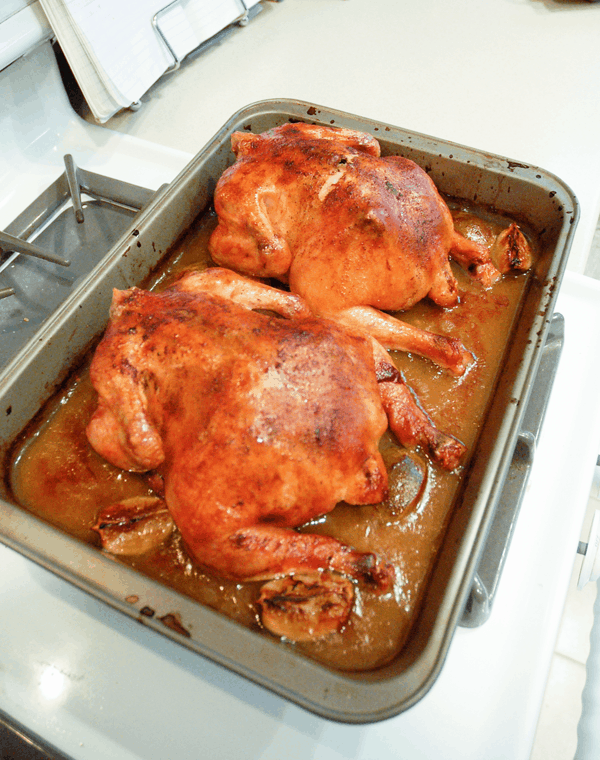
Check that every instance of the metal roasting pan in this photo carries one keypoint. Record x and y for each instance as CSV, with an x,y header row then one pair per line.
x,y
520,191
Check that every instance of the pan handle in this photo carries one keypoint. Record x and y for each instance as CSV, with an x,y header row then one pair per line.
x,y
479,603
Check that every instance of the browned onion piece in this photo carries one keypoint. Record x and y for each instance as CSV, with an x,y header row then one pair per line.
x,y
306,607
134,526
511,251
407,482
472,227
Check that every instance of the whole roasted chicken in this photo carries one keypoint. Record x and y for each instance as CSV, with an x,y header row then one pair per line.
x,y
253,423
257,424
353,233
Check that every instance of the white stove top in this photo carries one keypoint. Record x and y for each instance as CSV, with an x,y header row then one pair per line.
x,y
96,684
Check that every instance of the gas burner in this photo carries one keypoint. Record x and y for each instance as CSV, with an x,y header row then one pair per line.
x,y
74,223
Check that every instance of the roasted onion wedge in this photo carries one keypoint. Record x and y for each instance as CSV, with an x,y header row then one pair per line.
x,y
306,607
407,481
511,251
134,526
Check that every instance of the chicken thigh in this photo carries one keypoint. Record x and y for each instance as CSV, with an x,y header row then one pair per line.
x,y
351,232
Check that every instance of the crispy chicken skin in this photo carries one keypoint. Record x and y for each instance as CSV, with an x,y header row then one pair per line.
x,y
257,423
352,232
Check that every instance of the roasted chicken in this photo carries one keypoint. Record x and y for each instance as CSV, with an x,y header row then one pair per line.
x,y
257,424
353,233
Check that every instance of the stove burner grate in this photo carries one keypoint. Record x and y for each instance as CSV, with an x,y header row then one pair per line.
x,y
55,243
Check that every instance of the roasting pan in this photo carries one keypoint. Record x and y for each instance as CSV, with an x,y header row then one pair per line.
x,y
520,191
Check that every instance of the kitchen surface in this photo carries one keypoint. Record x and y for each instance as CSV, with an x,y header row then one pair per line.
x,y
515,78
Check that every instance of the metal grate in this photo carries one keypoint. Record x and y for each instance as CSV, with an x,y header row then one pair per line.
x,y
55,243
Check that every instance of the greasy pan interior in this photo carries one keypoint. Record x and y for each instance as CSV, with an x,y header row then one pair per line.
x,y
527,194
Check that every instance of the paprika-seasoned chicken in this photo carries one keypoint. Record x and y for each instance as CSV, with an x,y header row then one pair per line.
x,y
353,233
252,425
257,424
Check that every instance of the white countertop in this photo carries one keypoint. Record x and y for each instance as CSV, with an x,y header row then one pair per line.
x,y
513,77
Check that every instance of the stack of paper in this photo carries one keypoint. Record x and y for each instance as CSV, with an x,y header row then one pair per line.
x,y
117,49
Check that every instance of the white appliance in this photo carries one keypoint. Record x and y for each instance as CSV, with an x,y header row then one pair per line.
x,y
83,681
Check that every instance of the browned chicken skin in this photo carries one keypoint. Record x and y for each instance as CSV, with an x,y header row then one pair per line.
x,y
351,232
258,424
